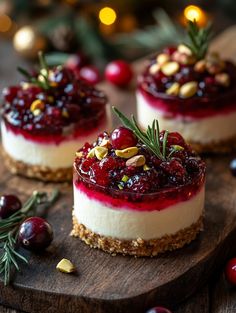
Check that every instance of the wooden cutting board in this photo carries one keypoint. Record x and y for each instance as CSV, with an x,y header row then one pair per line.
x,y
106,284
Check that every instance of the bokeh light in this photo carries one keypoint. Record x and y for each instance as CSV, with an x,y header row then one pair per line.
x,y
107,16
5,23
193,12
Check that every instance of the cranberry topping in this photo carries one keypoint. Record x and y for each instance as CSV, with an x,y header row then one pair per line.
x,y
69,105
213,94
110,173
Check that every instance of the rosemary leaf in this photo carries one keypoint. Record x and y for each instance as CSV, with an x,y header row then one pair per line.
x,y
150,138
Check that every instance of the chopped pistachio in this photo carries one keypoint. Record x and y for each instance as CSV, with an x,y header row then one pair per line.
x,y
136,161
100,152
125,178
177,147
146,167
65,266
91,153
127,153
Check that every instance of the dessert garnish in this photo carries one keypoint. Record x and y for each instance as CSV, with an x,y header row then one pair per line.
x,y
65,266
150,137
42,80
199,39
131,159
10,227
189,69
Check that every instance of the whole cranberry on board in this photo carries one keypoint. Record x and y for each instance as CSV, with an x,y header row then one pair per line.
x,y
35,234
230,271
119,73
9,204
158,309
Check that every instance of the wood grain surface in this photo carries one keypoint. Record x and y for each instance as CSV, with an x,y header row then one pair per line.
x,y
124,284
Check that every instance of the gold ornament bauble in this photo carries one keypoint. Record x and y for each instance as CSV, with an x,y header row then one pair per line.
x,y
27,42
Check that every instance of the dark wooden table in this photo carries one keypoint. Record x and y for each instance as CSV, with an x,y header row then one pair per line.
x,y
217,296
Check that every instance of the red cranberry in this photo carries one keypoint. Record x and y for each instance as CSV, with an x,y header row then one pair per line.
x,y
99,175
233,167
230,271
35,233
9,204
158,310
119,73
90,74
192,165
122,138
169,50
10,93
186,74
174,138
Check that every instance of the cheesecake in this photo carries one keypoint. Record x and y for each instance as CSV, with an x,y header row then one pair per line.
x,y
192,91
138,193
46,118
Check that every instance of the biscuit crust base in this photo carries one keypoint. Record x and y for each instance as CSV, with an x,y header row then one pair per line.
x,y
36,171
137,247
224,146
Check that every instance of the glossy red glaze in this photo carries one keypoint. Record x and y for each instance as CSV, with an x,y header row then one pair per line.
x,y
230,271
78,131
191,108
156,201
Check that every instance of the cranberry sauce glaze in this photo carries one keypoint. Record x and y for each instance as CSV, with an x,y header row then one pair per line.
x,y
151,185
212,97
68,109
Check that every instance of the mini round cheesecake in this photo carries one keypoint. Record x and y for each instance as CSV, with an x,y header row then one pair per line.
x,y
45,119
130,200
192,94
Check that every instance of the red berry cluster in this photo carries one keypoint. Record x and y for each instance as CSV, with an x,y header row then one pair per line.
x,y
179,169
208,86
68,101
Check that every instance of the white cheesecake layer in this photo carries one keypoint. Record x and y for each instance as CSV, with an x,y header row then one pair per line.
x,y
123,223
44,154
205,130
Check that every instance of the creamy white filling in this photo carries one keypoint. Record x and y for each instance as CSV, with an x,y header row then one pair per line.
x,y
44,154
129,224
205,130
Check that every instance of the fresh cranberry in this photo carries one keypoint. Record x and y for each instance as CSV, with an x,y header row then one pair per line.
x,y
173,138
233,167
35,233
90,74
9,204
169,50
122,138
158,310
119,73
144,182
10,93
209,86
230,271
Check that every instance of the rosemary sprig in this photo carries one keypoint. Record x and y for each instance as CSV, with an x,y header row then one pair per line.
x,y
9,227
43,78
150,138
199,39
